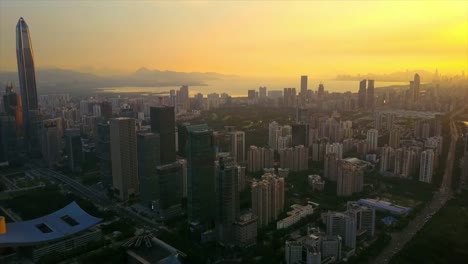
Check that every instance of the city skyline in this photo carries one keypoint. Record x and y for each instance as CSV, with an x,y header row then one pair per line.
x,y
208,36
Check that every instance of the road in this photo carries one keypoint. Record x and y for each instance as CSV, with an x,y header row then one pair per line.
x,y
399,239
96,197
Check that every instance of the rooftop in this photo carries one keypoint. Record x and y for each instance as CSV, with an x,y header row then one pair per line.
x,y
65,222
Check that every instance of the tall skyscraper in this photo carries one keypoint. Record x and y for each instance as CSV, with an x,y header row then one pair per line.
x,y
262,92
238,146
182,138
321,90
426,166
304,85
103,153
201,180
51,142
331,166
362,94
27,81
73,148
416,84
370,99
163,123
227,199
123,145
372,139
148,159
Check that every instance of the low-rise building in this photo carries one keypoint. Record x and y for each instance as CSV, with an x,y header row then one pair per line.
x,y
295,215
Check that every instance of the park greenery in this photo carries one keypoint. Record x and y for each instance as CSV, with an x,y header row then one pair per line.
x,y
442,239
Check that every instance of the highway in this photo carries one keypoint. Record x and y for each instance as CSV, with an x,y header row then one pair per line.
x,y
399,239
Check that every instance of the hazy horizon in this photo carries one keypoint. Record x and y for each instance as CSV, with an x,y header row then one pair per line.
x,y
249,39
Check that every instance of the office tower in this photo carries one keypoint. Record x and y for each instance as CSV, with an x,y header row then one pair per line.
x,y
300,134
426,166
350,178
123,146
267,198
50,142
251,94
273,131
386,159
370,99
170,186
238,146
103,153
295,159
148,159
106,110
183,98
262,92
241,175
303,85
394,139
321,91
73,149
330,167
259,158
8,146
416,84
182,138
163,123
245,230
343,225
362,94
27,81
365,217
200,172
227,199
372,139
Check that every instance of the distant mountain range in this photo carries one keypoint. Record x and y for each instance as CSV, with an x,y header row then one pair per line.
x,y
405,76
69,81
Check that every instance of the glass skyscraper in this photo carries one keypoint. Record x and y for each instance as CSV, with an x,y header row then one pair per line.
x,y
27,81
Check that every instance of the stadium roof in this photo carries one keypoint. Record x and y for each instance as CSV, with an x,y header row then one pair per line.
x,y
60,224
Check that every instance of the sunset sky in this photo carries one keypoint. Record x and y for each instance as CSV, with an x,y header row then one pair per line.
x,y
261,38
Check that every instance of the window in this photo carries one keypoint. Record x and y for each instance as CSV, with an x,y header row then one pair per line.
x,y
70,221
44,228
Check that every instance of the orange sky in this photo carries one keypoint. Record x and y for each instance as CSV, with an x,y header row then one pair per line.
x,y
261,38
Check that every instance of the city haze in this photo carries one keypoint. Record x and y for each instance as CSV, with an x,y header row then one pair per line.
x,y
268,39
